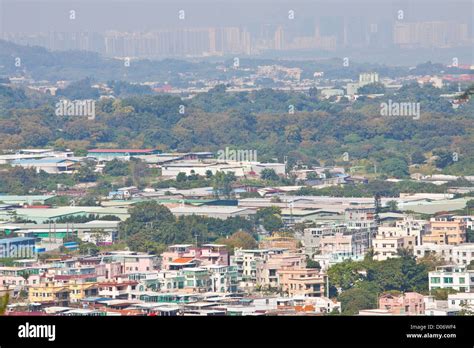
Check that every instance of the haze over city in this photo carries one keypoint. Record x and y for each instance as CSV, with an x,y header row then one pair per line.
x,y
305,167
304,29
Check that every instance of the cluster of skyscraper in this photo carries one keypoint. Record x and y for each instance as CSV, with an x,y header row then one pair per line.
x,y
214,41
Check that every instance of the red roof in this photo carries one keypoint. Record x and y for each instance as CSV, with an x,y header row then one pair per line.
x,y
122,150
183,260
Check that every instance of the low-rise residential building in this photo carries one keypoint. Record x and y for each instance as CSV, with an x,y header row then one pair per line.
x,y
18,278
268,268
246,262
197,279
443,251
454,277
360,218
302,281
461,301
132,261
389,240
386,247
462,254
170,281
409,303
224,279
49,293
328,260
354,241
117,289
312,236
445,230
186,255
80,286
410,226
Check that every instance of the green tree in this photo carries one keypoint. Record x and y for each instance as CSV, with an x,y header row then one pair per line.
x,y
395,167
356,299
88,249
116,167
392,206
346,274
181,177
222,183
431,261
269,174
442,294
145,215
372,88
270,218
444,158
239,239
418,157
85,173
310,263
466,308
4,303
79,90
470,206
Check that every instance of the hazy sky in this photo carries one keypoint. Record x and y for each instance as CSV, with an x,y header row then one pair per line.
x,y
99,15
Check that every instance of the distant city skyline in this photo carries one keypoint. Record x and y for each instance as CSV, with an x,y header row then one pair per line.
x,y
159,29
223,40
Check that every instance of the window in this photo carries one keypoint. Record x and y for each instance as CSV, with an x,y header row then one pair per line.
x,y
462,280
448,280
435,280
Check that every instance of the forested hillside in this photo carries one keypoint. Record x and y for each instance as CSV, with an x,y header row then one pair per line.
x,y
318,130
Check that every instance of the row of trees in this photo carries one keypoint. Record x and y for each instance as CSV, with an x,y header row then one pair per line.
x,y
358,284
318,131
151,227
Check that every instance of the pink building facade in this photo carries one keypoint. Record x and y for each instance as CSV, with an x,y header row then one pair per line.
x,y
206,255
409,303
